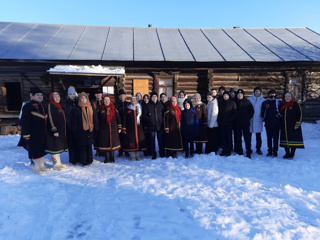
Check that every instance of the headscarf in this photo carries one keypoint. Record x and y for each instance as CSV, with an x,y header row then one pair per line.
x,y
87,113
176,109
110,109
54,102
288,104
138,109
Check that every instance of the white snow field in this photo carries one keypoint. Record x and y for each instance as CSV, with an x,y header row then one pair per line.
x,y
206,197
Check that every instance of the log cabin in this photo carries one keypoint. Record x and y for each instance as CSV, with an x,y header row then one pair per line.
x,y
56,56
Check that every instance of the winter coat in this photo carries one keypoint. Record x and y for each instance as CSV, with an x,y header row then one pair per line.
x,y
227,113
270,111
153,116
256,122
172,136
245,112
121,107
83,137
57,123
291,137
201,111
189,123
69,106
212,113
107,138
34,128
134,138
180,102
96,104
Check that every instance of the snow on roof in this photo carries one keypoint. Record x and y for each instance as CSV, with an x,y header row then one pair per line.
x,y
75,69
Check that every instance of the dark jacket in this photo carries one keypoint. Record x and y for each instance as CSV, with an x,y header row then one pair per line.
x,y
173,137
56,124
121,107
245,112
153,116
69,106
189,123
201,110
270,111
34,127
291,137
227,113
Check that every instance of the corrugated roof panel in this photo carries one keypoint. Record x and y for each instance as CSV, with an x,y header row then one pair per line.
x,y
226,46
12,34
308,35
91,44
297,43
3,25
173,45
199,45
119,45
32,43
62,43
276,45
254,48
147,45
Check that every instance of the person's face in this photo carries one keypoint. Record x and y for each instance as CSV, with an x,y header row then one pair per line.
x,y
106,101
56,97
146,99
174,102
72,96
187,105
164,98
221,91
139,96
232,94
84,99
154,98
272,95
226,96
240,95
181,95
196,99
209,98
257,93
122,97
214,93
98,96
134,101
38,97
287,97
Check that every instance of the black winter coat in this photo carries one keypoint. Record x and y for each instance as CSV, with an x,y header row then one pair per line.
x,y
227,113
172,139
69,106
291,137
153,116
34,127
107,138
56,124
201,110
245,112
270,111
189,123
121,107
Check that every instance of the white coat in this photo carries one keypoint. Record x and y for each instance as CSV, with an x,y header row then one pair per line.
x,y
212,113
180,102
256,122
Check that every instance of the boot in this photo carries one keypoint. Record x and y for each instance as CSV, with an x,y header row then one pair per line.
x,y
287,155
111,156
154,156
269,154
42,167
36,168
248,155
107,157
293,150
133,156
259,151
138,156
57,165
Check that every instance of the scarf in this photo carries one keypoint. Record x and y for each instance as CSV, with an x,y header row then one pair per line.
x,y
139,111
87,113
110,110
175,109
53,102
287,104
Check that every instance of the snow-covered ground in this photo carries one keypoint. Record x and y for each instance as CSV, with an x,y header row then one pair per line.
x,y
205,197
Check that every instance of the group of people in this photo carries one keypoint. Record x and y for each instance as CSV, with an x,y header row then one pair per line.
x,y
175,125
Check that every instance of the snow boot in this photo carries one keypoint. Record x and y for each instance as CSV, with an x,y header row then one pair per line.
x,y
107,158
138,156
41,164
287,155
133,156
57,165
259,151
291,155
111,156
36,168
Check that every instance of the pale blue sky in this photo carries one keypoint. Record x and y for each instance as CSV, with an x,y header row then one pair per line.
x,y
165,13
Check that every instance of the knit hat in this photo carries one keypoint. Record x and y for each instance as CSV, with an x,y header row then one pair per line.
x,y
240,91
257,88
233,90
153,93
121,91
163,94
226,92
271,91
222,88
34,90
72,90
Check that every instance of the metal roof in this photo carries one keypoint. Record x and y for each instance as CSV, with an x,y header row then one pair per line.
x,y
35,41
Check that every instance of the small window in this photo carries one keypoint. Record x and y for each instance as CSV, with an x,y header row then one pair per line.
x,y
166,86
108,90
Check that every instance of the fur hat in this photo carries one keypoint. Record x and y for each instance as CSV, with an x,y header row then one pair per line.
x,y
97,91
